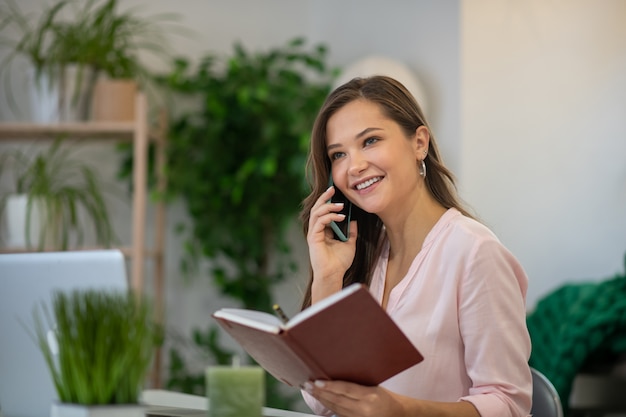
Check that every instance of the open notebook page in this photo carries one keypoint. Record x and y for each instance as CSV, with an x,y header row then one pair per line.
x,y
272,324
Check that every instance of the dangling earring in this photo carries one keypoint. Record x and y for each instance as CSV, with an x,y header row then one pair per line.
x,y
423,169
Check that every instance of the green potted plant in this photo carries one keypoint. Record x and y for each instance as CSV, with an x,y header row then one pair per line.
x,y
237,162
73,42
98,347
56,194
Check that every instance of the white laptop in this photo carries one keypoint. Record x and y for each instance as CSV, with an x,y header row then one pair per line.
x,y
27,280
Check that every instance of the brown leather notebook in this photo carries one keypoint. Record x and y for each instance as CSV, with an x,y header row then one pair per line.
x,y
347,336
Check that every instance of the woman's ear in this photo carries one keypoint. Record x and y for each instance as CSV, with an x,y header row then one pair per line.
x,y
421,142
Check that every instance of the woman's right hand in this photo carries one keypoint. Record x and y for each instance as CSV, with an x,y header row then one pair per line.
x,y
330,258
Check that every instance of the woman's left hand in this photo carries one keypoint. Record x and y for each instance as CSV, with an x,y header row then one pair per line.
x,y
346,399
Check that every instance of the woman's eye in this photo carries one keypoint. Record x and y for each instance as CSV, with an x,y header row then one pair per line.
x,y
370,141
336,155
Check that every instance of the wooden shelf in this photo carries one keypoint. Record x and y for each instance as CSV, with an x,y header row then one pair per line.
x,y
102,130
82,130
127,251
136,131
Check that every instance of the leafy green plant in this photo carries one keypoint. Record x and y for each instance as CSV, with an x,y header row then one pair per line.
x,y
64,190
237,160
92,35
105,340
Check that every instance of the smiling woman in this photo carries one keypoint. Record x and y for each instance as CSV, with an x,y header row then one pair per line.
x,y
438,272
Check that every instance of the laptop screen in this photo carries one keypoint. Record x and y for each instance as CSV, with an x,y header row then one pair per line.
x,y
26,281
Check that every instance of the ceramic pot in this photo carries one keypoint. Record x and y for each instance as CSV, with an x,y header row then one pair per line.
x,y
16,218
114,100
64,98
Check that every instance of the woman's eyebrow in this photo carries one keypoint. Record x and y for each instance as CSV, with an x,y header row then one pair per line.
x,y
358,135
367,131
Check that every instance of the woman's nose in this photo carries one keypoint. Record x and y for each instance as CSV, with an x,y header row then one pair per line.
x,y
357,165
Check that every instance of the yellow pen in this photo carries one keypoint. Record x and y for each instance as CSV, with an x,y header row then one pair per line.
x,y
280,313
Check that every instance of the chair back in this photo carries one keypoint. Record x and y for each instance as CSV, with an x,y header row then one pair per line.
x,y
546,400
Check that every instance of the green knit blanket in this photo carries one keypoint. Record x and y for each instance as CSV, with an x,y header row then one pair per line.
x,y
572,323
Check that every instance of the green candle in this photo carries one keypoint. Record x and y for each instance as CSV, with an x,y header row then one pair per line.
x,y
235,391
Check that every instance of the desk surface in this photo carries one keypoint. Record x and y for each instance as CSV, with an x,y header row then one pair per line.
x,y
176,404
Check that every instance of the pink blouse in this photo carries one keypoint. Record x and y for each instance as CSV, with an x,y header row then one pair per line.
x,y
462,303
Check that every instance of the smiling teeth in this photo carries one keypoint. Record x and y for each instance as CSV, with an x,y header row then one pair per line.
x,y
367,183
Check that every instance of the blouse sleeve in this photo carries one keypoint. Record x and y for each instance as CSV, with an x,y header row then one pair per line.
x,y
492,319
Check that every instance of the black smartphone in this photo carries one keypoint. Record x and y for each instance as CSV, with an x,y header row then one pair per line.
x,y
341,229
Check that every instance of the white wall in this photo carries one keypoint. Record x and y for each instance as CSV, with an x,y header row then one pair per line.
x,y
544,133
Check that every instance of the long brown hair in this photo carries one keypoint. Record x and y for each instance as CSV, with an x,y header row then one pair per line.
x,y
396,103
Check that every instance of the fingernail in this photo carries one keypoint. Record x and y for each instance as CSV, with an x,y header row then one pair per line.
x,y
320,384
308,387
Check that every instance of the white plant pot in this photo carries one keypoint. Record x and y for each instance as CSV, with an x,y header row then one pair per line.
x,y
111,410
16,221
62,99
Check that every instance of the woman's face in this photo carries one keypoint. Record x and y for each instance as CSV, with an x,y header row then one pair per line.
x,y
373,162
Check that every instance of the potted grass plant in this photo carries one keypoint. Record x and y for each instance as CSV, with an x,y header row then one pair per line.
x,y
54,202
98,347
70,44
